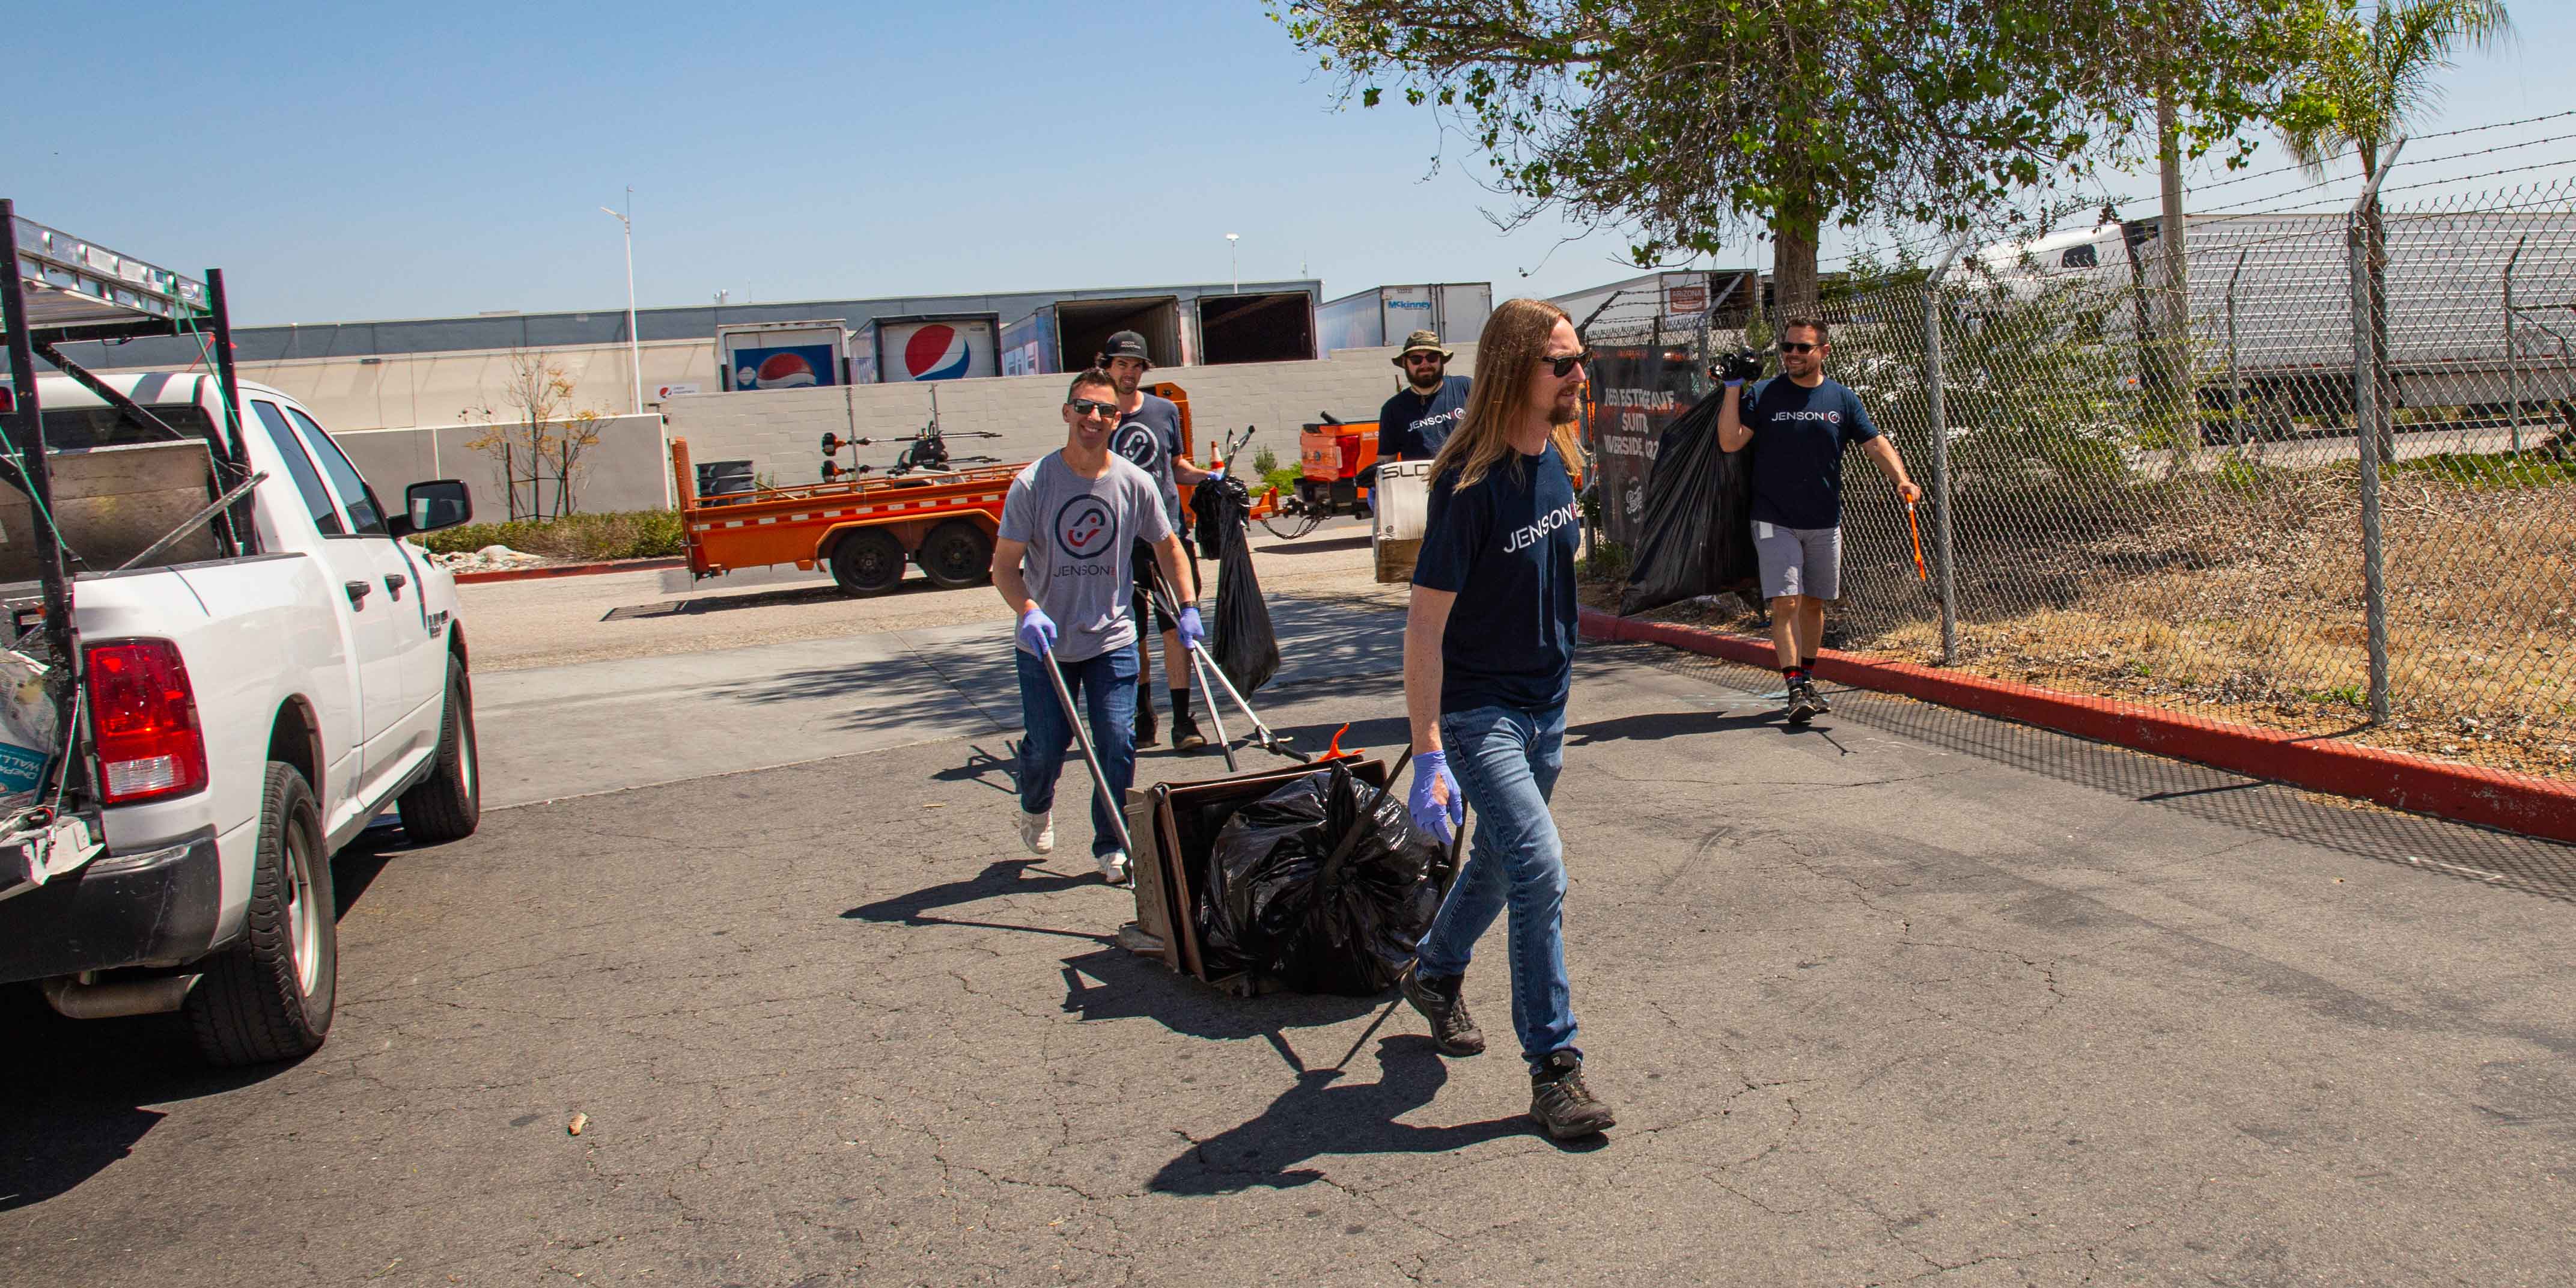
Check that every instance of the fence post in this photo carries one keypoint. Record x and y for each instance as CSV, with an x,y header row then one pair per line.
x,y
1941,491
2366,431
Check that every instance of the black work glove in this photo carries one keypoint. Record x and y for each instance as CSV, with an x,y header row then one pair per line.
x,y
1741,365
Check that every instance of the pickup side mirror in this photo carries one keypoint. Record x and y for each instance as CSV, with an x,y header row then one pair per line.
x,y
428,507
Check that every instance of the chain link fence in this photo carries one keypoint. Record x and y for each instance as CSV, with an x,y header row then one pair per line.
x,y
2228,498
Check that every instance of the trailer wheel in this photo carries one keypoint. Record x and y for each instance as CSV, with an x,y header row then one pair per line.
x,y
956,555
269,997
867,562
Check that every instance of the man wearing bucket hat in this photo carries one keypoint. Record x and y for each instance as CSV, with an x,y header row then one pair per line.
x,y
1417,420
1149,435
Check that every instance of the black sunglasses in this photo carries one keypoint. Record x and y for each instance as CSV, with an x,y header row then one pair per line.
x,y
1790,346
1086,407
1424,357
1565,366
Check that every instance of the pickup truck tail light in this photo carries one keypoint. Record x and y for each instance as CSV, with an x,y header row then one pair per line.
x,y
145,716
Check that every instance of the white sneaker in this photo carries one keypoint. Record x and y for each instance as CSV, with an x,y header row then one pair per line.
x,y
1037,831
1113,867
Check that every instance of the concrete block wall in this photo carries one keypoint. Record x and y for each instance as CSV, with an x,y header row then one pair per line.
x,y
780,431
626,470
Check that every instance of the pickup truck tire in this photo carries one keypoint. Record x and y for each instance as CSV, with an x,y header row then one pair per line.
x,y
956,555
868,561
448,805
269,997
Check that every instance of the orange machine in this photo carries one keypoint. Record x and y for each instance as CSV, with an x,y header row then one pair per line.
x,y
863,529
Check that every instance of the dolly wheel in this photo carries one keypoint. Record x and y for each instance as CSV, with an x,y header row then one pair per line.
x,y
868,562
956,555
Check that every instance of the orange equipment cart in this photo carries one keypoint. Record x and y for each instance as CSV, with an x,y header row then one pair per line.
x,y
863,529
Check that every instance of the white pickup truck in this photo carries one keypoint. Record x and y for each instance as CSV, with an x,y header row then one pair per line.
x,y
246,714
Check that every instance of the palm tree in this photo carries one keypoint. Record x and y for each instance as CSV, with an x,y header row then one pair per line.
x,y
2364,79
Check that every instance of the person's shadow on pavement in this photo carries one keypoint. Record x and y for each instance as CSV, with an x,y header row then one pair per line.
x,y
1322,1115
1006,877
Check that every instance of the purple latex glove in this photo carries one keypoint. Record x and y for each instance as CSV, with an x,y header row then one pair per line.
x,y
1037,631
1438,807
1192,632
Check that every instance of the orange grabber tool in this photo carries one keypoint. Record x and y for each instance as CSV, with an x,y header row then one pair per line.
x,y
1915,525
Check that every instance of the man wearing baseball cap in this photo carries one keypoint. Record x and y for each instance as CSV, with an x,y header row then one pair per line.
x,y
1149,435
1417,420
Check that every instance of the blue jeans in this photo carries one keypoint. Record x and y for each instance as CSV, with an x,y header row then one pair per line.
x,y
1507,760
1105,687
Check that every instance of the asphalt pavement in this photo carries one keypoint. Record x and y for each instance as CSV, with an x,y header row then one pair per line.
x,y
1907,995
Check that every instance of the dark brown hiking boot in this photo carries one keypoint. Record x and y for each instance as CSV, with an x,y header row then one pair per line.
x,y
1562,1104
1453,1031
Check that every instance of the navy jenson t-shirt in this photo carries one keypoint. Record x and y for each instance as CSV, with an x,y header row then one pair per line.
x,y
1798,440
1413,427
1505,547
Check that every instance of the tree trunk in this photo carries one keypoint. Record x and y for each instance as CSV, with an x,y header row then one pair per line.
x,y
1793,266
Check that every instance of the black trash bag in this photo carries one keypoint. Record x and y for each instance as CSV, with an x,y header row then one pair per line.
x,y
1698,524
1323,885
1242,640
1217,511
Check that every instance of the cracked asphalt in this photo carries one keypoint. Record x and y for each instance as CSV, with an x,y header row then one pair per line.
x,y
1908,996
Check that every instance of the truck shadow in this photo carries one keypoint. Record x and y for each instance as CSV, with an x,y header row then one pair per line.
x,y
80,1087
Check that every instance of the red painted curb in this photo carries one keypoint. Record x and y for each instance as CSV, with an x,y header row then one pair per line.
x,y
2513,802
567,570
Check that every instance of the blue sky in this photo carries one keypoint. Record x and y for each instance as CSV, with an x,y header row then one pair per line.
x,y
346,162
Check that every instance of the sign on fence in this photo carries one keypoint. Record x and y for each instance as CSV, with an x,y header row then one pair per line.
x,y
1638,391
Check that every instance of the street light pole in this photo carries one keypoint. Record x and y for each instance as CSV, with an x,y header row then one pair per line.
x,y
1233,264
634,347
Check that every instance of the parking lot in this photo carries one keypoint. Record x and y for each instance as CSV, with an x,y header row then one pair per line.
x,y
1908,995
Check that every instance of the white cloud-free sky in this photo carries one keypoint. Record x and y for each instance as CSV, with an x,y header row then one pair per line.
x,y
346,162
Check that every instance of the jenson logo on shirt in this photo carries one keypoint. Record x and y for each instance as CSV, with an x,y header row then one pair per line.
x,y
1083,527
1529,535
1834,417
1138,442
1454,413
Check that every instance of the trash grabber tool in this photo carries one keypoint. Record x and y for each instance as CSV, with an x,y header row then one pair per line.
x,y
1082,737
1261,735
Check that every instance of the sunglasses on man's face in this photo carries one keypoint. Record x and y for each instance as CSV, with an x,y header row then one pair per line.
x,y
1565,366
1791,346
1423,359
1086,407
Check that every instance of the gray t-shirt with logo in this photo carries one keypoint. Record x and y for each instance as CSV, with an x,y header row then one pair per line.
x,y
1151,437
1078,532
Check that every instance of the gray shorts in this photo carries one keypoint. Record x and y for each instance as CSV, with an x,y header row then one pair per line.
x,y
1799,561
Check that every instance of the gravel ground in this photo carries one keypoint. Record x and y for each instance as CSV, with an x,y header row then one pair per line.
x,y
515,625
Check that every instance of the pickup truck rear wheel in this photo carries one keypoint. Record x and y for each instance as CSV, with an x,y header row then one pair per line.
x,y
956,555
269,997
868,561
448,805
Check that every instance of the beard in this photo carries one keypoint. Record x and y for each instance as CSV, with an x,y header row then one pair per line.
x,y
1429,384
1567,409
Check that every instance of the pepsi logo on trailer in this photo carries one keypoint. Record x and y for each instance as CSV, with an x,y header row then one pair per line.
x,y
938,350
787,367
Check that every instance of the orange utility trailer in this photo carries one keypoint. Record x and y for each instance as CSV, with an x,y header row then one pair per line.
x,y
864,529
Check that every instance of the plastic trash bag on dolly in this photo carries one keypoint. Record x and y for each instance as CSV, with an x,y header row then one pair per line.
x,y
1324,886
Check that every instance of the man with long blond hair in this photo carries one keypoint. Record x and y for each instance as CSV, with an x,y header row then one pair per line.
x,y
1488,661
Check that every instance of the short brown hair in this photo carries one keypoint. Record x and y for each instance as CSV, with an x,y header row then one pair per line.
x,y
1811,324
1090,376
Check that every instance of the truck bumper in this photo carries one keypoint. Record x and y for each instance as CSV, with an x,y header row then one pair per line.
x,y
152,907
